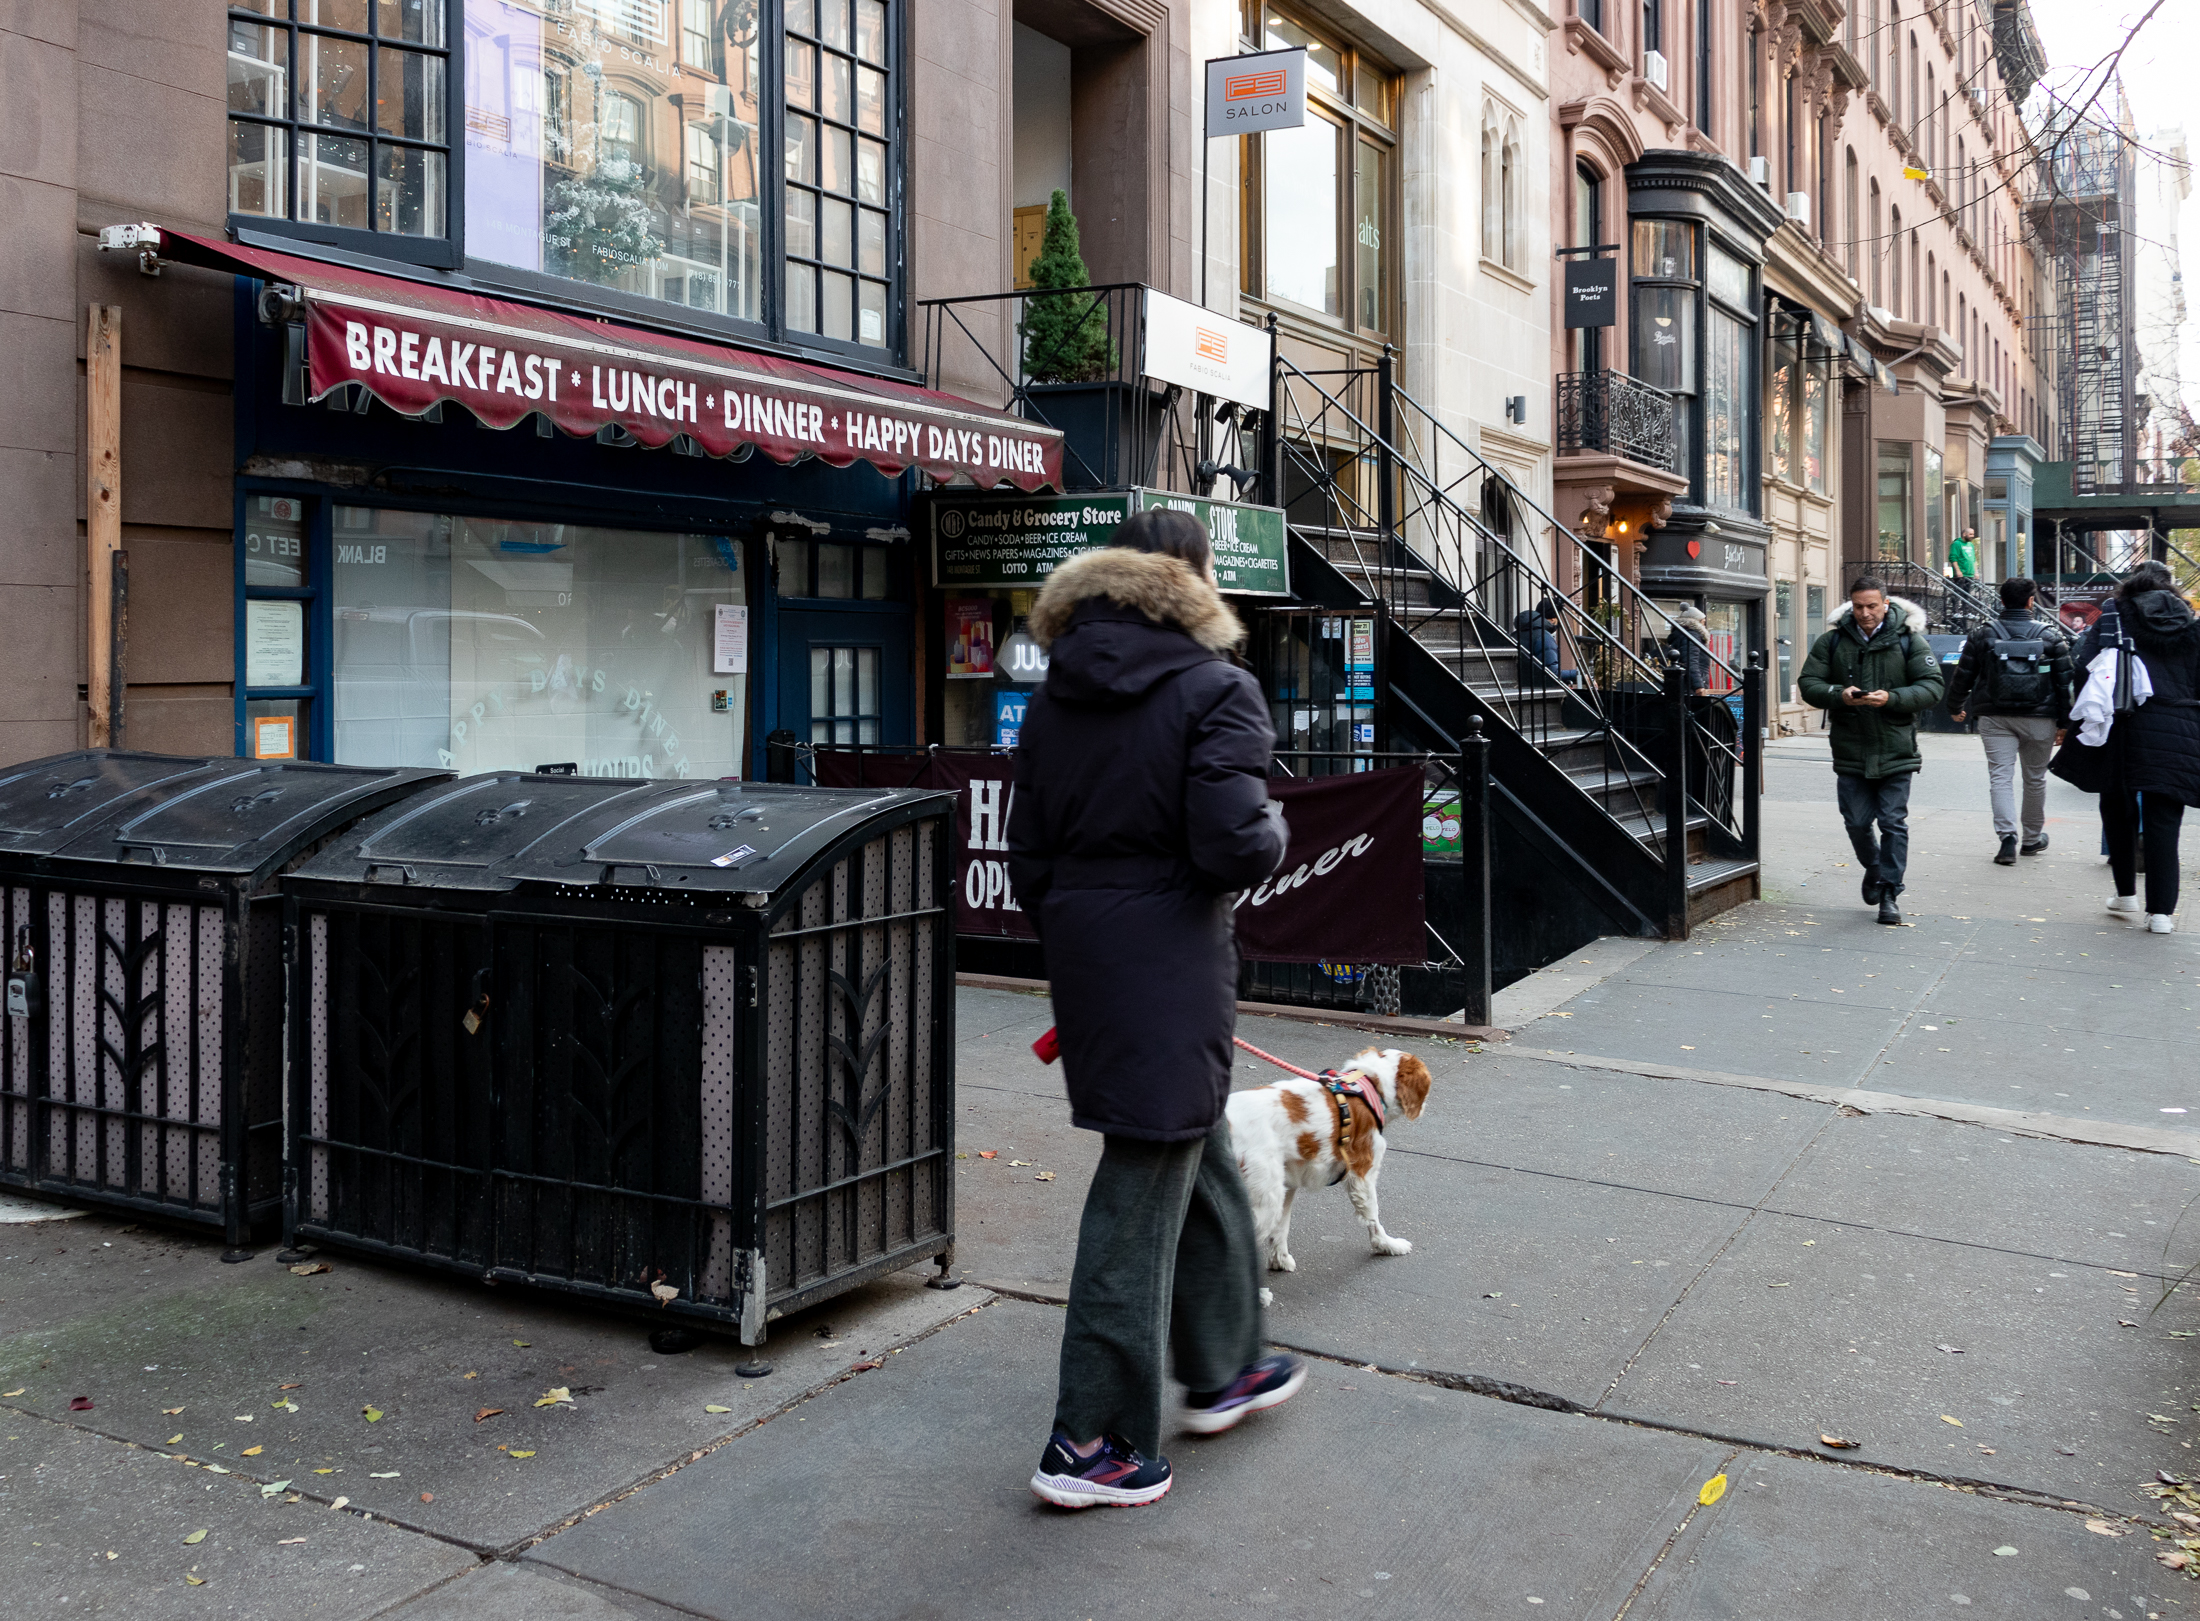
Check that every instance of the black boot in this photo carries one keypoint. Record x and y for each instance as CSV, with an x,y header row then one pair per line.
x,y
1890,910
2007,857
1873,886
2035,849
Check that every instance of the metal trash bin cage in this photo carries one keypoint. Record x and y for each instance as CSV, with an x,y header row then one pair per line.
x,y
142,1066
678,1046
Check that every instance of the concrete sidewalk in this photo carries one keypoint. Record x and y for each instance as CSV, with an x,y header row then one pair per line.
x,y
1717,1200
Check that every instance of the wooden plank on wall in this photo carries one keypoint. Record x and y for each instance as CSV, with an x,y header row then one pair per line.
x,y
102,506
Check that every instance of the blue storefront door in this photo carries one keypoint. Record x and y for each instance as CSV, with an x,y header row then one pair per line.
x,y
845,674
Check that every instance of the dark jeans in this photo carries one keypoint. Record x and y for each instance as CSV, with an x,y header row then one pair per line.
x,y
2120,808
1886,801
1166,1260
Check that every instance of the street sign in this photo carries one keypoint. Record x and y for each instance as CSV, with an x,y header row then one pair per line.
x,y
1247,94
1015,542
1592,292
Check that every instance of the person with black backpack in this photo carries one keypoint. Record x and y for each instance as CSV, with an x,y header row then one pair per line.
x,y
2016,676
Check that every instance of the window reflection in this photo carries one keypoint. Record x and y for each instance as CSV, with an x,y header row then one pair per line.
x,y
615,142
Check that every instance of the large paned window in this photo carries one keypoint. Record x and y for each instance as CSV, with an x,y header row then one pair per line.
x,y
1894,502
1666,289
339,118
481,645
1797,391
740,159
1319,202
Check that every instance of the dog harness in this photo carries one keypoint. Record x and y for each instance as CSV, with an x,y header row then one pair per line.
x,y
1344,1088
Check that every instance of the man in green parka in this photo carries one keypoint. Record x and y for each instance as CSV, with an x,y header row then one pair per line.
x,y
1873,672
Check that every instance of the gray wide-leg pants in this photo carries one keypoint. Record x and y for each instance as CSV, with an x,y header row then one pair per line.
x,y
1166,1261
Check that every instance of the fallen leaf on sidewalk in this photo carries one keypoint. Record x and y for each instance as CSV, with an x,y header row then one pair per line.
x,y
324,1471
1779,1286
275,1488
989,1153
524,1345
2175,1561
2101,1528
20,1391
519,1454
1712,1490
2005,1552
1022,1162
169,1411
427,1497
1952,1350
2125,1322
80,1404
290,1387
252,1452
2112,1272
286,1405
196,1581
388,1475
341,1502
173,1440
487,1412
865,1367
290,1542
1839,1443
714,1407
1043,1176
214,1469
373,1414
194,1539
560,1396
1957,1422
307,1269
1983,1447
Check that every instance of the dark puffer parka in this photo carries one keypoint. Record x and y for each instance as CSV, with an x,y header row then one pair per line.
x,y
1896,660
1141,809
2155,748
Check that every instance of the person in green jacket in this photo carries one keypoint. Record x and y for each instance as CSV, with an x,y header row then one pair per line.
x,y
1963,555
1873,673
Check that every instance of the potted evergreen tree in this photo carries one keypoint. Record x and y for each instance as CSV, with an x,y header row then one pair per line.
x,y
1073,367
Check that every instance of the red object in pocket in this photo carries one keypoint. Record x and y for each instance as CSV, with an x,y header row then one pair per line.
x,y
1048,1047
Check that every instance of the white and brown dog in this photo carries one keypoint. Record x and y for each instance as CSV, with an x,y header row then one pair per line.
x,y
1311,1134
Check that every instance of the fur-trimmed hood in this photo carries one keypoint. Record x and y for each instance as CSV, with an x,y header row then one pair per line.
x,y
1160,587
1902,613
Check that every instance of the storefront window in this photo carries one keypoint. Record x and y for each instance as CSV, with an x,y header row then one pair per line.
x,y
1780,410
993,667
1796,395
1301,246
481,645
1816,392
1894,502
1936,528
1783,604
1726,403
1726,629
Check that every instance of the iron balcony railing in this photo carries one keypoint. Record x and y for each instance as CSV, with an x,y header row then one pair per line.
x,y
1611,414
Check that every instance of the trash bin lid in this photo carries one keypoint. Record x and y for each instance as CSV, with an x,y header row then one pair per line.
x,y
45,804
220,814
500,831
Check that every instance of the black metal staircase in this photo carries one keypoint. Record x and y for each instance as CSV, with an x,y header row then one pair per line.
x,y
1624,800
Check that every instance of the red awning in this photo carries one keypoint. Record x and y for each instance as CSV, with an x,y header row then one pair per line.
x,y
414,345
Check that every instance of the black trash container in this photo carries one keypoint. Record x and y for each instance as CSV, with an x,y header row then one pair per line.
x,y
142,1066
679,1046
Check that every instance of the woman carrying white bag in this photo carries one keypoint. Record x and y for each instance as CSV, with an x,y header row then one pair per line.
x,y
2137,742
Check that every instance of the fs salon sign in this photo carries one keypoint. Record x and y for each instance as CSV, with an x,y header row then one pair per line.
x,y
413,361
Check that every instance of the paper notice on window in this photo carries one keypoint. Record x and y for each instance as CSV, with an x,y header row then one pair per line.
x,y
274,644
274,738
729,642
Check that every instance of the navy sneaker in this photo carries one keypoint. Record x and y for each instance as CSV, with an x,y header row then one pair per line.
x,y
1270,1382
1113,1477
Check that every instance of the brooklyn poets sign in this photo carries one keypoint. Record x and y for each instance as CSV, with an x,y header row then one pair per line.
x,y
413,361
1349,889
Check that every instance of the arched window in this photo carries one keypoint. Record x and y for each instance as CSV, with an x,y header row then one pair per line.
x,y
1942,320
1932,309
1588,233
1510,186
1911,127
1926,149
1894,263
1877,245
1493,195
1848,209
1962,318
1961,184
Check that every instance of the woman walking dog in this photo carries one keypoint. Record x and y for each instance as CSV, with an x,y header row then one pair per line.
x,y
1141,807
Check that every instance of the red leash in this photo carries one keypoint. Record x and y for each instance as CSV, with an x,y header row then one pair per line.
x,y
1305,1075
1048,1048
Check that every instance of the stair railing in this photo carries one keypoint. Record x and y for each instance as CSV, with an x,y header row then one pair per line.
x,y
1462,582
